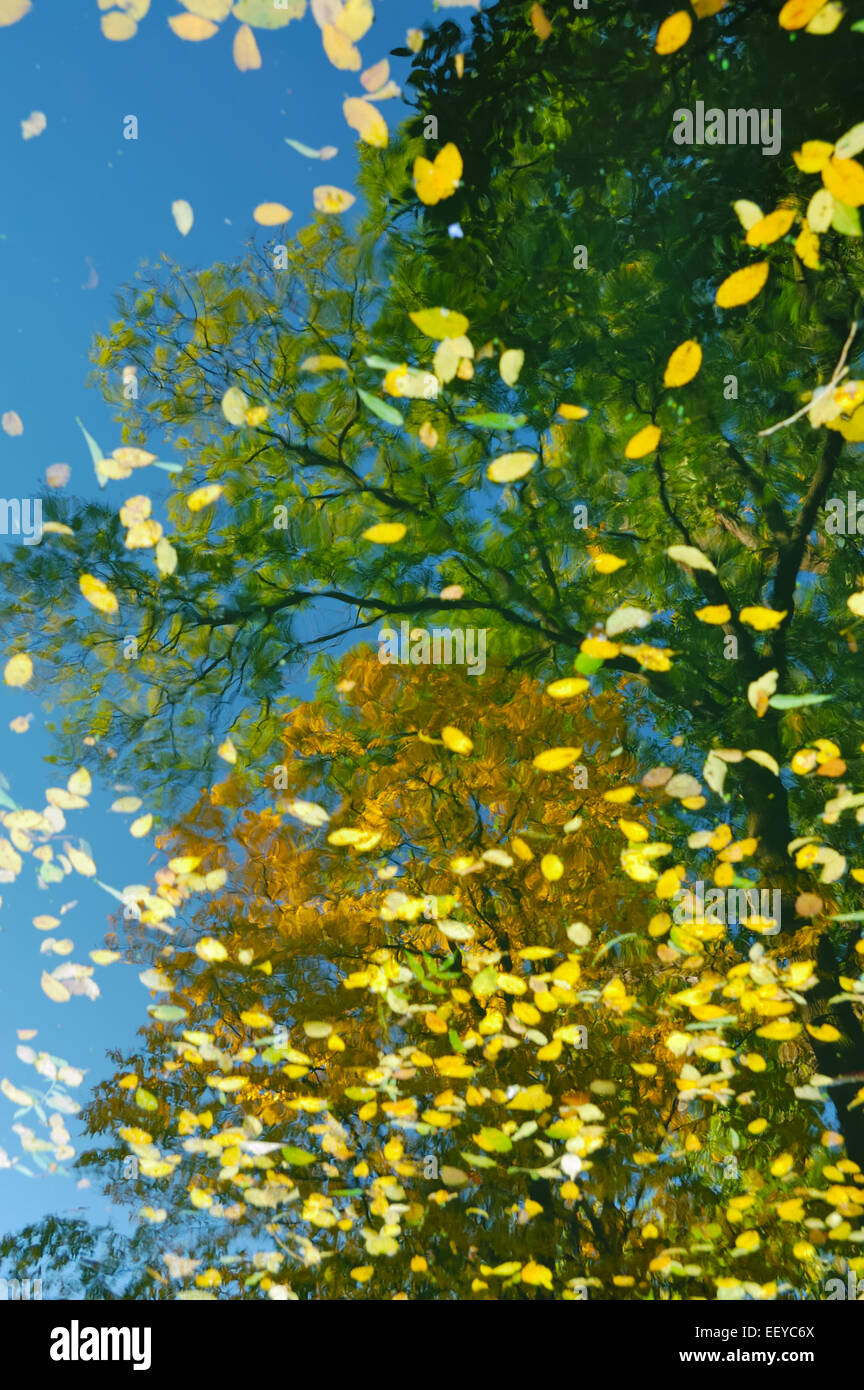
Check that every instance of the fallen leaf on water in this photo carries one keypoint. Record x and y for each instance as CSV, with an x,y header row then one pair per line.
x,y
439,178
98,594
340,50
191,27
13,10
742,286
328,198
376,76
19,669
118,27
683,364
762,619
54,989
247,56
227,751
204,497
326,151
385,533
642,443
272,214
509,467
511,365
33,125
673,33
183,216
367,120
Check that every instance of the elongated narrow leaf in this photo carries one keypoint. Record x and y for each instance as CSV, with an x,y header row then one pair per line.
x,y
388,413
796,701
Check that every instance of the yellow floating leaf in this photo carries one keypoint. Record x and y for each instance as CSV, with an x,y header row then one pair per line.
x,y
572,412
271,214
542,28
367,120
771,228
227,751
440,323
599,647
247,56
192,27
537,1274
328,198
634,832
439,178
747,212
208,9
551,867
795,14
256,1018
375,77
763,619
97,594
827,19
142,535
645,442
81,862
140,827
209,949
55,989
690,556
742,285
455,740
555,759
807,247
683,364
568,687
508,467
530,1098
340,50
780,1031
80,783
155,1167
355,18
204,497
117,27
748,1240
813,156
385,533
791,1210
18,670
13,10
673,33
824,1032
844,178
605,563
511,365
326,362
715,613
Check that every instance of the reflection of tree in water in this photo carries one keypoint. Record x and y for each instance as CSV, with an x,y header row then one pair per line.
x,y
431,1123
